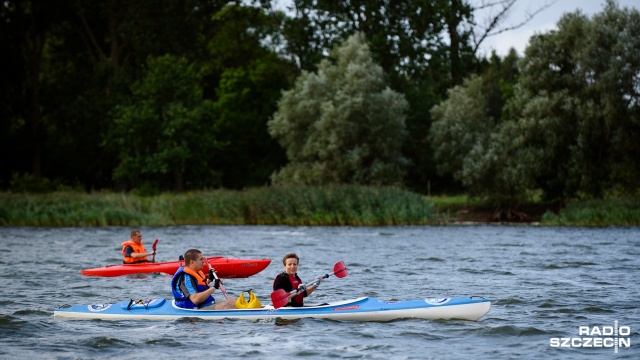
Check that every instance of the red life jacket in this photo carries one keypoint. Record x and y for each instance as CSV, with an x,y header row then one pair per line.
x,y
137,248
295,281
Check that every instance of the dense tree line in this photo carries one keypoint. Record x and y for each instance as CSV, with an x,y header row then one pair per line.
x,y
159,95
569,126
139,94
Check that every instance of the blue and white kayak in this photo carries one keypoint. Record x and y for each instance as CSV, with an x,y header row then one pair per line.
x,y
361,309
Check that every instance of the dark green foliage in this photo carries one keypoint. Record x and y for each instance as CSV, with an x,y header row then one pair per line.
x,y
83,60
166,136
249,80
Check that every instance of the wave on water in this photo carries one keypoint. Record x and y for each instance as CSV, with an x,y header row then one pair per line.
x,y
597,310
511,330
509,301
99,342
432,259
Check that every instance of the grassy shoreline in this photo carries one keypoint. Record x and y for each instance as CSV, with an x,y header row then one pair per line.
x,y
295,206
337,205
584,213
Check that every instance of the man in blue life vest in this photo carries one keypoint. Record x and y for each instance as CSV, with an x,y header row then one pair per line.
x,y
133,251
191,288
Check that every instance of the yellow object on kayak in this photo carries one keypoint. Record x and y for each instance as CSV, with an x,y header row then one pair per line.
x,y
253,303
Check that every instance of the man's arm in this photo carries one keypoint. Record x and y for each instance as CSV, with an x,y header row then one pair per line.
x,y
128,251
200,297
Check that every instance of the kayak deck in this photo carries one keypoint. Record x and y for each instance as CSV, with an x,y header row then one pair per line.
x,y
361,309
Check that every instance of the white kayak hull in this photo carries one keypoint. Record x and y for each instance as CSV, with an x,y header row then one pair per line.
x,y
361,309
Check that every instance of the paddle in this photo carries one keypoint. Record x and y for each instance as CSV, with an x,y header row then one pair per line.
x,y
280,298
154,250
213,275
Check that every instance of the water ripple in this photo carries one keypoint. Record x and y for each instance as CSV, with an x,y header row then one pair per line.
x,y
543,283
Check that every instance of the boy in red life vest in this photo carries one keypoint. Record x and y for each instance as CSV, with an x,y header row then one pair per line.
x,y
133,251
289,280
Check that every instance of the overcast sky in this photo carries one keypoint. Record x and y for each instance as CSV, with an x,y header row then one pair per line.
x,y
542,22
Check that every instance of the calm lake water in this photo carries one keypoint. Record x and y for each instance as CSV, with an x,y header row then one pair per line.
x,y
544,283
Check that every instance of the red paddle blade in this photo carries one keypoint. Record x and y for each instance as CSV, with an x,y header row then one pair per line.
x,y
154,245
279,298
340,270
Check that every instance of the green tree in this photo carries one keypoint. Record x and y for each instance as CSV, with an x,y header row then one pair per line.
x,y
246,78
166,136
579,93
423,47
342,125
460,122
28,28
499,168
400,33
105,49
68,63
406,39
569,123
487,155
467,120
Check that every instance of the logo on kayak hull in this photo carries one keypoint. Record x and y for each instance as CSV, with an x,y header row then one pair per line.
x,y
98,307
437,301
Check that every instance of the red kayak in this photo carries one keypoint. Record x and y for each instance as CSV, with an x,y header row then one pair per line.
x,y
224,267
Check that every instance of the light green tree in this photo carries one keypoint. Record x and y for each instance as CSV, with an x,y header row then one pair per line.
x,y
342,125
477,149
499,169
460,122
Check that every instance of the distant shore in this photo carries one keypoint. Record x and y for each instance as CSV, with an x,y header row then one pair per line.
x,y
298,206
589,213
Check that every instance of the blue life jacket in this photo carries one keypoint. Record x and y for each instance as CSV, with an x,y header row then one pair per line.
x,y
184,302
